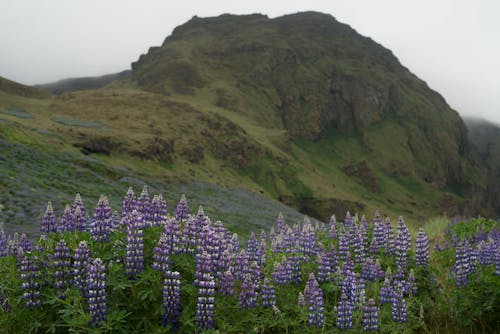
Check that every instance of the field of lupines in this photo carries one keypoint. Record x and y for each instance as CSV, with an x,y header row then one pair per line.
x,y
145,269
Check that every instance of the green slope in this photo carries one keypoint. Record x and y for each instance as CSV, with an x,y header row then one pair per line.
x,y
300,109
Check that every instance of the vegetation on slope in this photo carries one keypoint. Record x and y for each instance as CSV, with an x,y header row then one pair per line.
x,y
300,108
155,272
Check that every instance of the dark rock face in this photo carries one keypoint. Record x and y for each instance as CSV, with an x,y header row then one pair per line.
x,y
312,76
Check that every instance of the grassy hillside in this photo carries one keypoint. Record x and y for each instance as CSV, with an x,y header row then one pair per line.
x,y
300,109
72,84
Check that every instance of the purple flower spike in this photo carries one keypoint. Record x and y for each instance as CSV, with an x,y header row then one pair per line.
x,y
248,294
205,305
370,316
134,258
96,292
402,244
79,217
101,221
268,294
62,267
128,203
66,223
344,312
49,220
422,249
171,299
80,266
182,209
30,275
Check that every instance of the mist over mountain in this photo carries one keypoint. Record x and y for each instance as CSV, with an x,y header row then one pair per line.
x,y
299,108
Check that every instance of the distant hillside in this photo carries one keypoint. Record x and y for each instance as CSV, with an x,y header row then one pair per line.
x,y
72,84
300,109
340,96
485,138
14,88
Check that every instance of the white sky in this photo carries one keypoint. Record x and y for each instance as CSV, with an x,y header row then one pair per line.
x,y
454,45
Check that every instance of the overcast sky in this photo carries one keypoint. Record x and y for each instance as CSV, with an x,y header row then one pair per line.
x,y
454,45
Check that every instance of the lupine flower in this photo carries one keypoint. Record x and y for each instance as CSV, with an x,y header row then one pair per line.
x,y
158,210
398,304
268,294
399,276
190,235
248,294
358,247
172,229
378,270
461,264
101,221
324,267
332,228
66,223
143,206
347,284
80,219
379,235
203,266
497,261
62,266
171,298
161,254
471,253
80,266
422,249
402,244
255,271
370,316
277,273
343,248
182,209
316,309
348,265
280,224
307,239
3,243
369,271
128,203
348,221
96,291
360,292
262,247
49,220
115,220
205,305
411,285
344,312
227,283
390,246
30,274
25,243
78,214
253,248
134,257
296,274
385,292
363,230
241,264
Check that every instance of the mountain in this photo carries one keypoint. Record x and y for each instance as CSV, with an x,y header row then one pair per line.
x,y
13,88
299,108
86,83
484,137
